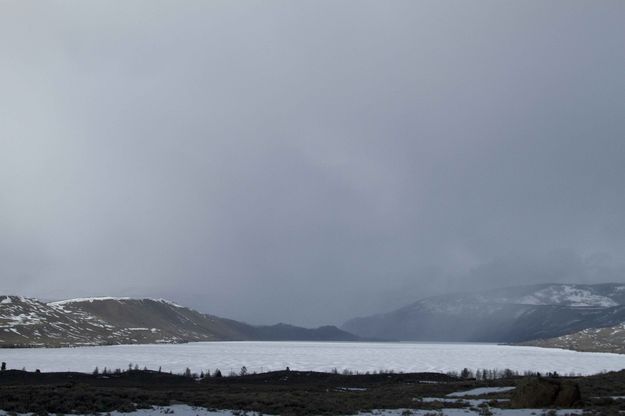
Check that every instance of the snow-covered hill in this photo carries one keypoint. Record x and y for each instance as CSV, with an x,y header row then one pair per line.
x,y
29,322
503,315
610,339
26,322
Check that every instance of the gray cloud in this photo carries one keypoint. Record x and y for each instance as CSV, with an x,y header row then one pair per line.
x,y
311,161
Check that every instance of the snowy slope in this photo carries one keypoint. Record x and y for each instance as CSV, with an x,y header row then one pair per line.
x,y
601,295
25,321
609,339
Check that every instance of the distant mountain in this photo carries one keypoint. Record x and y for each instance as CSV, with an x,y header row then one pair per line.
x,y
503,315
609,339
26,322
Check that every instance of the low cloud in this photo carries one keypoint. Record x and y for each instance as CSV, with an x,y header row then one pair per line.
x,y
309,162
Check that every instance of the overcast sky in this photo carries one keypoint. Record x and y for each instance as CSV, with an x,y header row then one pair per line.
x,y
309,161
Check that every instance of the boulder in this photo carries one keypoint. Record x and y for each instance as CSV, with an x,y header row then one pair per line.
x,y
569,394
540,392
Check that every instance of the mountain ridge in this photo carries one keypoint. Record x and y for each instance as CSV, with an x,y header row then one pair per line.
x,y
28,322
514,314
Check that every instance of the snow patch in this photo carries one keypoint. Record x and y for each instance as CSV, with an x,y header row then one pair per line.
x,y
479,391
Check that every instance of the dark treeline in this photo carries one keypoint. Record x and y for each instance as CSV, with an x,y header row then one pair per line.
x,y
494,374
186,373
466,374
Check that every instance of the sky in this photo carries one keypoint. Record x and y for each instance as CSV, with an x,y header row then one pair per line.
x,y
311,161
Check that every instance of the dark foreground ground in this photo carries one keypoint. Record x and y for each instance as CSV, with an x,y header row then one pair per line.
x,y
283,392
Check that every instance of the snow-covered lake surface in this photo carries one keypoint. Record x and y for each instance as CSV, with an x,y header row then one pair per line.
x,y
319,356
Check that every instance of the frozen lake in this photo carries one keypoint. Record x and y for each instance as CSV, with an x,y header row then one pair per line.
x,y
320,356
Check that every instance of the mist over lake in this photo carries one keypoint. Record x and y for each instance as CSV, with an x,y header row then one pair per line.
x,y
316,356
